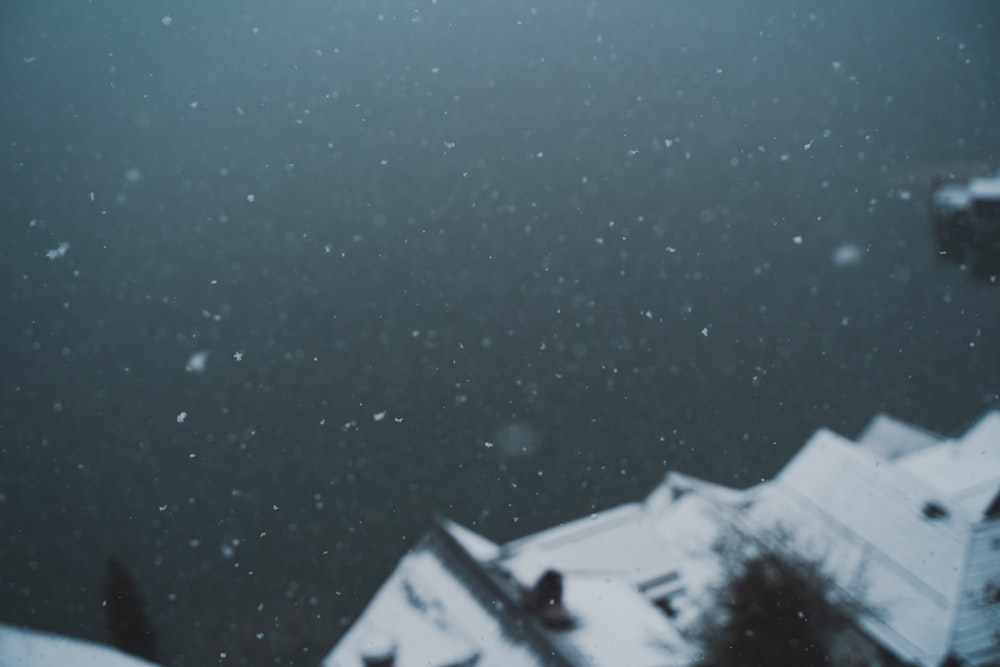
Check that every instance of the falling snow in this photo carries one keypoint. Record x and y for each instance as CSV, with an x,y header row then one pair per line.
x,y
197,362
472,283
59,251
847,254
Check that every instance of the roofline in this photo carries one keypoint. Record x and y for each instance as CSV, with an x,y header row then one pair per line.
x,y
960,431
865,619
499,600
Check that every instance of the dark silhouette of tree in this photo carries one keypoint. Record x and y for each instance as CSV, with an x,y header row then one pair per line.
x,y
778,608
125,613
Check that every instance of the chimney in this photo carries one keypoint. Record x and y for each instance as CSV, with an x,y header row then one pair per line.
x,y
545,600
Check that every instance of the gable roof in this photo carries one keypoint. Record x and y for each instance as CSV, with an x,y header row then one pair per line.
x,y
439,608
863,518
900,520
966,470
891,438
898,532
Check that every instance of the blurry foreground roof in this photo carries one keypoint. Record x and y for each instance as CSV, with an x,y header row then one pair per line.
x,y
20,647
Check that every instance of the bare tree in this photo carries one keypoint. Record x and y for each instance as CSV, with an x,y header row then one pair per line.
x,y
777,607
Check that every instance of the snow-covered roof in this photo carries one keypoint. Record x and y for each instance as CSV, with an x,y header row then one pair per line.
x,y
896,532
960,196
985,188
614,626
20,647
881,504
862,516
953,196
902,520
428,616
446,604
967,470
657,546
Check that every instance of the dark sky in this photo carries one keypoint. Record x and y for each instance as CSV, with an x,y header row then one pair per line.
x,y
599,237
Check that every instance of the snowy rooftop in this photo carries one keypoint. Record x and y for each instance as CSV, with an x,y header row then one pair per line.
x,y
20,647
961,196
896,533
903,520
967,471
985,188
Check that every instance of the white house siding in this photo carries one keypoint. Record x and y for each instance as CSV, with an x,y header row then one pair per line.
x,y
976,634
